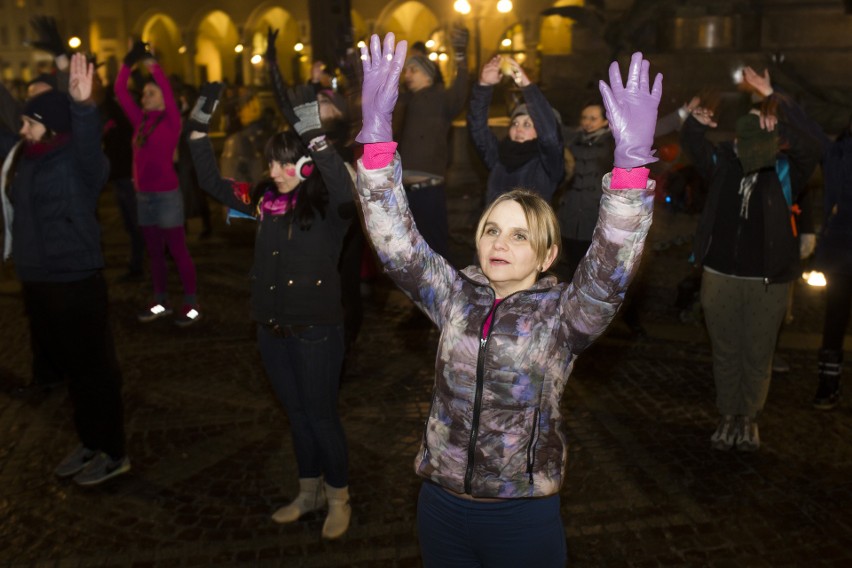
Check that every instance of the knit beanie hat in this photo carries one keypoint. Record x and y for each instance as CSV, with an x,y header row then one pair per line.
x,y
424,64
756,148
522,109
50,108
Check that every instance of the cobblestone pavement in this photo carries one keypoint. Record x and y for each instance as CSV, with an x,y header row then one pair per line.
x,y
212,457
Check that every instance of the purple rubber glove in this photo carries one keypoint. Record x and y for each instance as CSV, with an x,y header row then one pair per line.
x,y
380,89
632,112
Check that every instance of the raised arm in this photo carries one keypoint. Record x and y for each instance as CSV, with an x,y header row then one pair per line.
x,y
424,276
301,110
550,144
601,280
137,53
172,110
209,179
457,93
86,125
279,85
477,116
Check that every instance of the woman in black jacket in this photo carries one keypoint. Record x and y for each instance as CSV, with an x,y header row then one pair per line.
x,y
303,213
55,179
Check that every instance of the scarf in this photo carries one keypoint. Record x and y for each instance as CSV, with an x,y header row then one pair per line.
x,y
34,150
274,203
513,155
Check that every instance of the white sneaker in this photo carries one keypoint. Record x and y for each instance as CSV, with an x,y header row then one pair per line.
x,y
748,436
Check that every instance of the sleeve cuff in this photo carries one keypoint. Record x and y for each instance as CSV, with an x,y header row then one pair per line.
x,y
378,155
633,178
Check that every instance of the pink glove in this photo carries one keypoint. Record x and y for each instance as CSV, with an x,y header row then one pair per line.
x,y
632,112
380,88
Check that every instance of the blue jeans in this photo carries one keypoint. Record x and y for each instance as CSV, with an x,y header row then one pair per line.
x,y
304,370
458,533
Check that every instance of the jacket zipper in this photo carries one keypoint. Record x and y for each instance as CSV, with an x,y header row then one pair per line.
x,y
477,404
532,445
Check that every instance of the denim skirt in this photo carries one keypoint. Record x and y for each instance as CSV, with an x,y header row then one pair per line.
x,y
162,209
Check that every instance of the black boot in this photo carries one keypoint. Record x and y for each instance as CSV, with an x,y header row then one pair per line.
x,y
828,392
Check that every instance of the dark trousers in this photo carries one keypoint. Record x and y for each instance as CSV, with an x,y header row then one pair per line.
x,y
459,533
125,197
69,323
838,302
429,208
304,369
573,251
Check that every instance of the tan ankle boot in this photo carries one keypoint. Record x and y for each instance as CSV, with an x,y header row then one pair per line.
x,y
339,512
310,498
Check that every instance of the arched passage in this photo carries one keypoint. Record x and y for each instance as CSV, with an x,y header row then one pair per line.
x,y
555,35
215,55
161,31
412,21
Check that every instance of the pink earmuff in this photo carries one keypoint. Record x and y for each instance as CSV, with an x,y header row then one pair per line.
x,y
304,167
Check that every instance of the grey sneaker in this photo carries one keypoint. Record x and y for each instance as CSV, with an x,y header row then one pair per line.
x,y
748,436
725,435
101,468
75,462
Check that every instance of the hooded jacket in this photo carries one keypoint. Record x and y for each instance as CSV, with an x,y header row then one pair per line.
x,y
495,428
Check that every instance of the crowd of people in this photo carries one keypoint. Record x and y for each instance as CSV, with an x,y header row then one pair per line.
x,y
512,324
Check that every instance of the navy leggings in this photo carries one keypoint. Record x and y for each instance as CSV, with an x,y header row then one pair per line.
x,y
304,370
458,533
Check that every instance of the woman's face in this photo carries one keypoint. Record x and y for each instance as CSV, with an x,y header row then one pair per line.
x,y
32,130
505,250
152,97
592,119
415,78
522,129
284,176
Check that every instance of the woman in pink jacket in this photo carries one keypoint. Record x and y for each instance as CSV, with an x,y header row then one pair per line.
x,y
157,127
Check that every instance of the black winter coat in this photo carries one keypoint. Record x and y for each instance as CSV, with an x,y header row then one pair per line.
x,y
543,173
578,209
56,236
294,278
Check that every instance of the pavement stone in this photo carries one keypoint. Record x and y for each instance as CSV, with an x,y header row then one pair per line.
x,y
212,457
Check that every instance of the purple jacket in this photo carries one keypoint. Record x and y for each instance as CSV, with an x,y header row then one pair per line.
x,y
495,428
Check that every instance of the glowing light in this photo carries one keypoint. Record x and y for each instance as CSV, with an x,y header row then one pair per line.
x,y
362,43
462,6
504,6
814,278
256,59
506,42
430,44
737,75
433,56
182,49
442,57
74,42
238,48
299,46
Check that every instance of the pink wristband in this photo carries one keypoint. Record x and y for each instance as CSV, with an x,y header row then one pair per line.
x,y
634,178
378,154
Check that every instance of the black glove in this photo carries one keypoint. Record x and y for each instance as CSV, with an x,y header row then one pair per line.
x,y
459,38
48,38
302,112
271,55
137,53
205,106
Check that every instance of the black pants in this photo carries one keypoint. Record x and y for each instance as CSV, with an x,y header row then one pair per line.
x,y
838,302
69,325
429,208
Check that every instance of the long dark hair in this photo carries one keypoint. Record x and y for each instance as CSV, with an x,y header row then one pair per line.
x,y
286,148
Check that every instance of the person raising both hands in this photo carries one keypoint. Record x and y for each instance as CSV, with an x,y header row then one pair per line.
x,y
493,451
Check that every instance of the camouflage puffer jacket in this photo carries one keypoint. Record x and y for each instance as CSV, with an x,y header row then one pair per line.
x,y
495,428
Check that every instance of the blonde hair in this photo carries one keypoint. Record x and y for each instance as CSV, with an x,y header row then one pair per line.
x,y
541,220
